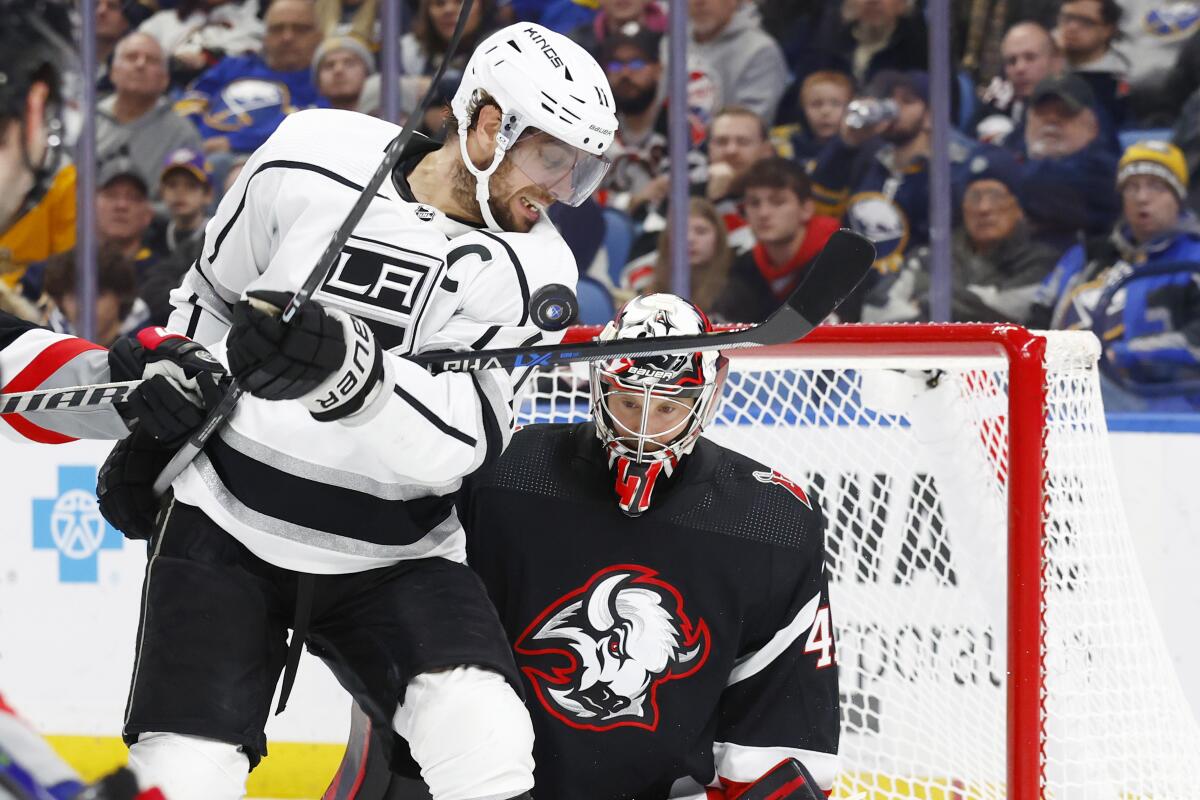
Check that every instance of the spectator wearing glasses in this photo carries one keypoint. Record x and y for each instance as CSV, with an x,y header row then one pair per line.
x,y
638,176
1029,55
997,267
1086,31
1151,326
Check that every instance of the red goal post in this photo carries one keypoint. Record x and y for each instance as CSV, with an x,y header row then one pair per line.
x,y
998,434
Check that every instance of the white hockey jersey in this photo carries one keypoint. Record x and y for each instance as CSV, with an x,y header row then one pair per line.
x,y
376,487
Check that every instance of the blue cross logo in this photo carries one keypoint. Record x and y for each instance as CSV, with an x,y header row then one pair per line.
x,y
71,524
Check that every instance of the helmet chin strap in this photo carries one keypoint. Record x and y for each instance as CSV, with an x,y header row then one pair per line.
x,y
483,177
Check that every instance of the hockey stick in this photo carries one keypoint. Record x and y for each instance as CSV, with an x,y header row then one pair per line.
x,y
835,273
67,398
195,443
838,269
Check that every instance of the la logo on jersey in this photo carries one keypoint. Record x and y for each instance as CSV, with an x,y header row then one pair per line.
x,y
608,646
774,476
388,285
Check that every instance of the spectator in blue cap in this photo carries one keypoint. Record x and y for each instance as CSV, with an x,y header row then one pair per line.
x,y
997,267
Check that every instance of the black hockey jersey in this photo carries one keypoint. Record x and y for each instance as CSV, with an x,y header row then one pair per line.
x,y
687,648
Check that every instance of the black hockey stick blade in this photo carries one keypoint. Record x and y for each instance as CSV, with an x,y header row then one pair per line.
x,y
838,269
787,780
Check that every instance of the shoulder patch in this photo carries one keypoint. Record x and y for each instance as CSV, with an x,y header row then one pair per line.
x,y
775,476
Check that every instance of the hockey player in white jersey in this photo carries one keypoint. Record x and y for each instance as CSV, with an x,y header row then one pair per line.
x,y
326,502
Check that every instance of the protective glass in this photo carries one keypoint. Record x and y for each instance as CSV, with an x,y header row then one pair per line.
x,y
567,173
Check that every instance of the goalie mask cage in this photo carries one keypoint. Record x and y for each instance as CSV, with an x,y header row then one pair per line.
x,y
994,635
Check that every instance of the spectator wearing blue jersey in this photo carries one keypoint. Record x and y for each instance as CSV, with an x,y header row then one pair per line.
x,y
239,102
1150,325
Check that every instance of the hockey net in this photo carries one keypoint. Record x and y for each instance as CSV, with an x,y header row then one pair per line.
x,y
994,635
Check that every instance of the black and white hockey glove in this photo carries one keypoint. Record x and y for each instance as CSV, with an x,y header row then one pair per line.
x,y
326,358
125,485
181,381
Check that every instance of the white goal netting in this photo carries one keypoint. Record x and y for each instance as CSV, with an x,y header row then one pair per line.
x,y
905,443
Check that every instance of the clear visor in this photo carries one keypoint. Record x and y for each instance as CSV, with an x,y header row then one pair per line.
x,y
567,173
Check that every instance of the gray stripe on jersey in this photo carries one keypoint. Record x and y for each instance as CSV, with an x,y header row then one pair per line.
x,y
321,539
409,490
208,295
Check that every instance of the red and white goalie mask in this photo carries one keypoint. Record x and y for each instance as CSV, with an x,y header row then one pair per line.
x,y
650,410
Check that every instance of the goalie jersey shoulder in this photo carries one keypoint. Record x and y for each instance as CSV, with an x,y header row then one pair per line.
x,y
744,498
720,490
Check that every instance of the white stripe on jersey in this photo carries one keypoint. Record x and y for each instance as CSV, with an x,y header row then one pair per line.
x,y
753,663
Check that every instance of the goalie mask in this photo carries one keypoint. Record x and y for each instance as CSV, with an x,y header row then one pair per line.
x,y
650,410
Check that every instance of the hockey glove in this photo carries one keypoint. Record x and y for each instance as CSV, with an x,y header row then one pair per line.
x,y
325,358
125,485
181,381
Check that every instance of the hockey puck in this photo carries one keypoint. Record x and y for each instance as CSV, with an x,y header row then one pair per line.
x,y
553,307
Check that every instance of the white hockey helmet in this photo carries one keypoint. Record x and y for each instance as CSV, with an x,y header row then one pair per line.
x,y
544,81
693,380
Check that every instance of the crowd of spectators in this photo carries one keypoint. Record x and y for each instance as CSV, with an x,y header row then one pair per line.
x,y
1074,154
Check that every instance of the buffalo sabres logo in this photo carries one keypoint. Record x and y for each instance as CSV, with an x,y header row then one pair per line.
x,y
881,220
611,644
246,100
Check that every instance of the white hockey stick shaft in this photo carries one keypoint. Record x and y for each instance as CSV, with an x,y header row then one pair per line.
x,y
66,398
